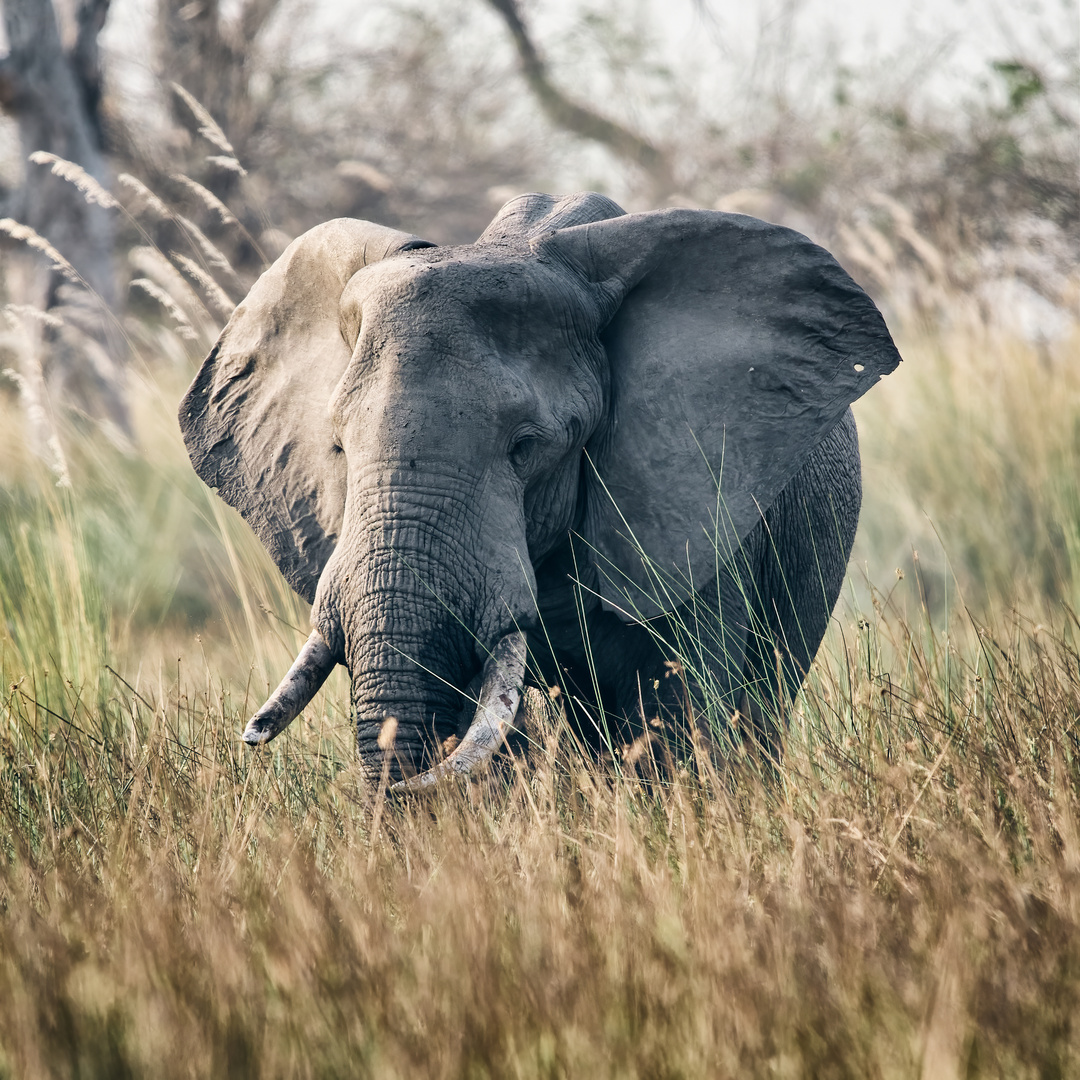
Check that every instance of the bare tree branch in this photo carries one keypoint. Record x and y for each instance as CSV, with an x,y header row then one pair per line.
x,y
577,118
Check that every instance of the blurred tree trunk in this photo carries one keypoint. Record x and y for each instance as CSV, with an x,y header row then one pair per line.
x,y
581,119
51,83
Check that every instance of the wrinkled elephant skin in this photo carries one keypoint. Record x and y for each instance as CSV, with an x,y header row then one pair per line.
x,y
606,437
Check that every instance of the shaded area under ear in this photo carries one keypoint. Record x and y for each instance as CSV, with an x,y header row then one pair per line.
x,y
735,347
255,418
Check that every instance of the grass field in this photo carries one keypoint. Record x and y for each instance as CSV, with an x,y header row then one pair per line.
x,y
900,898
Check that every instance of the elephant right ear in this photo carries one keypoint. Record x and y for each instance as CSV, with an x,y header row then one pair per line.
x,y
255,419
734,348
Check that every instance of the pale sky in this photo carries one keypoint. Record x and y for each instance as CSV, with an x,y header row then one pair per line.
x,y
966,33
716,39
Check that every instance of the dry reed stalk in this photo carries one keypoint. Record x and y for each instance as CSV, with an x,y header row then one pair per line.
x,y
183,325
144,193
32,239
218,296
210,251
14,312
208,199
230,164
91,189
209,128
151,262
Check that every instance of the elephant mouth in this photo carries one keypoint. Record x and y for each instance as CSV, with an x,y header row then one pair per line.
x,y
503,677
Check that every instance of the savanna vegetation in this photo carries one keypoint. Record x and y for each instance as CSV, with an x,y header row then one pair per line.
x,y
899,896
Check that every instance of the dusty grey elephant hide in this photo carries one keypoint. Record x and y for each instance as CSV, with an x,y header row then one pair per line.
x,y
588,443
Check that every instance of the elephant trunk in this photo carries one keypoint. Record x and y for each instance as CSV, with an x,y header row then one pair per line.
x,y
427,590
419,683
415,631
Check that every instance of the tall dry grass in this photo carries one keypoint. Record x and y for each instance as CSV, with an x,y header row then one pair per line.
x,y
899,897
970,458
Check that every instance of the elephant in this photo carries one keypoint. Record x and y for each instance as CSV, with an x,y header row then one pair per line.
x,y
588,445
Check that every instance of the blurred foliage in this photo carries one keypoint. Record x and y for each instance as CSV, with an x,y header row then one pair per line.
x,y
420,120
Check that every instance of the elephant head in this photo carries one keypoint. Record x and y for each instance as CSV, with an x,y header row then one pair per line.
x,y
430,441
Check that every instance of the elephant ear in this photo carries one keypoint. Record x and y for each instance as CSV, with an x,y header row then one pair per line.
x,y
734,346
255,419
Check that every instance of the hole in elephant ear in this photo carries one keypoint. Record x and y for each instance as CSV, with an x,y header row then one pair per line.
x,y
735,346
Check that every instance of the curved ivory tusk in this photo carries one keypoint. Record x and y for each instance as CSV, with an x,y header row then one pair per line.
x,y
500,695
299,686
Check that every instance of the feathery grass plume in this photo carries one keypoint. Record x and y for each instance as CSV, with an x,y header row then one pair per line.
x,y
217,295
158,268
41,422
14,312
59,463
92,190
208,198
183,325
208,249
209,128
230,164
149,199
35,240
213,203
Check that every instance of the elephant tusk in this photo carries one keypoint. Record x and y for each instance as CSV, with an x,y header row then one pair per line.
x,y
299,686
500,696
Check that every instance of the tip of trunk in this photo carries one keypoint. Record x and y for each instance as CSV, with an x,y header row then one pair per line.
x,y
300,685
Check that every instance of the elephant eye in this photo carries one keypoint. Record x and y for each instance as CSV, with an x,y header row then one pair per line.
x,y
521,453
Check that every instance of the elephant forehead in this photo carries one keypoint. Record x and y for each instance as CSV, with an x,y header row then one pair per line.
x,y
476,336
448,292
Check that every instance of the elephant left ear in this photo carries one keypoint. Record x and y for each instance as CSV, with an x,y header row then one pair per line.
x,y
735,346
